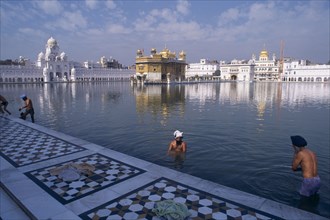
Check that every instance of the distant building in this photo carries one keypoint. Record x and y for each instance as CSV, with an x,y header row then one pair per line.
x,y
204,68
110,63
163,67
239,70
265,69
53,66
301,71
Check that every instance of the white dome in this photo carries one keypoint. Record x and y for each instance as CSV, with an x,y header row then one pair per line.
x,y
41,55
63,56
51,42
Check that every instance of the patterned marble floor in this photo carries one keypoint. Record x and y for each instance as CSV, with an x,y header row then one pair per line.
x,y
21,145
139,203
107,172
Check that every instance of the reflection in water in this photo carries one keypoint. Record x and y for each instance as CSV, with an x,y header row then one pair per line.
x,y
113,96
159,99
238,132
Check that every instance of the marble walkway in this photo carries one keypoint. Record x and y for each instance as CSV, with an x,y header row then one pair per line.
x,y
112,186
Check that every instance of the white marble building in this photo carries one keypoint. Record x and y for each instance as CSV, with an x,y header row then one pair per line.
x,y
299,71
265,69
53,66
239,70
204,68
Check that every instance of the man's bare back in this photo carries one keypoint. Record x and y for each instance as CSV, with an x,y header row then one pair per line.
x,y
308,162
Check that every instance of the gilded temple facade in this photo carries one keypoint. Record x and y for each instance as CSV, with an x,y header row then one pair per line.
x,y
163,67
266,69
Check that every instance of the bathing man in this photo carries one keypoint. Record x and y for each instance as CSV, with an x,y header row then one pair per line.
x,y
177,145
308,163
28,108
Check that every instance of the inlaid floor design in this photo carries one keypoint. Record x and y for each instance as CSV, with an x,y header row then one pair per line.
x,y
107,172
138,204
21,145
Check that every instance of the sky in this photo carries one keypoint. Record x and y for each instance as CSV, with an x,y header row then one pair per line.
x,y
203,29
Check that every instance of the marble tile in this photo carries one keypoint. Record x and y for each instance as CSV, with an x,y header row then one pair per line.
x,y
15,214
201,205
54,161
107,172
92,201
23,188
6,202
67,215
193,181
9,210
22,145
163,171
238,196
4,164
288,212
92,147
125,158
133,183
11,175
42,206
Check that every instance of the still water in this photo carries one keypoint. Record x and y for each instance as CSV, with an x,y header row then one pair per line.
x,y
238,134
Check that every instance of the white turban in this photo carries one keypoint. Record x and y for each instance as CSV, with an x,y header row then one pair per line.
x,y
178,133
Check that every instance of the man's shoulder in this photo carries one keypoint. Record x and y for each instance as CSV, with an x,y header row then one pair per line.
x,y
306,153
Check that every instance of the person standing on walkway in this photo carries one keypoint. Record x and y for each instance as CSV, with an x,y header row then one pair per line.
x,y
307,161
4,103
28,108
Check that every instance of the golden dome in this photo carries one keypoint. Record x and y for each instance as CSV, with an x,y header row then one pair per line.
x,y
166,50
264,53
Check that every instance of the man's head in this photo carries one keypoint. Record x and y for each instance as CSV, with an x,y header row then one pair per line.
x,y
298,141
23,97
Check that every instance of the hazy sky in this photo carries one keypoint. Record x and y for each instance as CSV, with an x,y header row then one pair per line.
x,y
216,30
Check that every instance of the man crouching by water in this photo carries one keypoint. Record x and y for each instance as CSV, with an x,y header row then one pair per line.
x,y
308,163
28,108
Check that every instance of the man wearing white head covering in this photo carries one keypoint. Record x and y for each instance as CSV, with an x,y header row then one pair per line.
x,y
177,145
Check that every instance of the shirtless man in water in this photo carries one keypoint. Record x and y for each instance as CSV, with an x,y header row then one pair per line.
x,y
177,145
308,163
